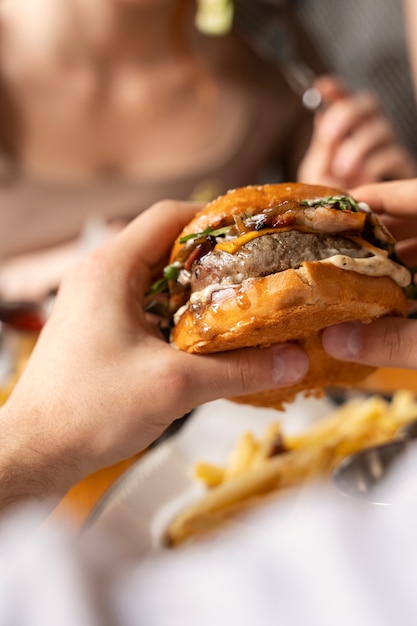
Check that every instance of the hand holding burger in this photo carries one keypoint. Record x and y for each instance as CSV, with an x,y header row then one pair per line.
x,y
102,384
387,342
280,263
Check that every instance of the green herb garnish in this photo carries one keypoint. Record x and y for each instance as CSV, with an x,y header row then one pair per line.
x,y
341,203
411,292
170,273
411,289
208,231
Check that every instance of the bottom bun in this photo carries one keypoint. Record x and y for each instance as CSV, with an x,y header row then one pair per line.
x,y
293,305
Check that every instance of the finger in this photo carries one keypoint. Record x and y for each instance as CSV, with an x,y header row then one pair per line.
x,y
345,115
397,198
387,342
203,378
126,264
149,238
388,162
351,155
407,251
401,228
331,88
315,166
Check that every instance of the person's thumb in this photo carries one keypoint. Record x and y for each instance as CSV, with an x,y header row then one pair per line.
x,y
387,342
246,371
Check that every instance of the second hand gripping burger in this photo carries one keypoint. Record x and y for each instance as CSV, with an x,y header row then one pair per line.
x,y
277,263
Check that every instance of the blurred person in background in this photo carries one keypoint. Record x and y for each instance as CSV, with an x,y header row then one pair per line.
x,y
108,106
118,104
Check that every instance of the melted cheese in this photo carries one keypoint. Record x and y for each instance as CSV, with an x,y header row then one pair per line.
x,y
233,245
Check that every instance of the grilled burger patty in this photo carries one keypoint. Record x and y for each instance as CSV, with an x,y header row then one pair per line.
x,y
268,254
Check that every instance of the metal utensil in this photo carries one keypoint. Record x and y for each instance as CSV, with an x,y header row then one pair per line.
x,y
360,475
261,27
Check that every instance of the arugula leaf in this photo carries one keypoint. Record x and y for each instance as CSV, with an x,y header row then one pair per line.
x,y
411,289
170,273
158,286
214,232
411,292
341,203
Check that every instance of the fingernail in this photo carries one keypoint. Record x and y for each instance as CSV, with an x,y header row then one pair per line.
x,y
343,341
290,364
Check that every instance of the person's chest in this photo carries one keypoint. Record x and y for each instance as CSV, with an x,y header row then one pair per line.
x,y
169,120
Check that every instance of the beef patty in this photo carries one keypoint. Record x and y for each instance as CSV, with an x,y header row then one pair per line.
x,y
269,254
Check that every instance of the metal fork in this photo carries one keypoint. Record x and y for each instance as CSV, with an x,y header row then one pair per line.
x,y
261,27
362,474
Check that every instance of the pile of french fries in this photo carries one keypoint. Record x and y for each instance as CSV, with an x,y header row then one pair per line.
x,y
275,461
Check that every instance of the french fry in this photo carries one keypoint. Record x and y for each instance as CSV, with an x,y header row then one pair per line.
x,y
403,407
282,471
211,475
242,456
253,470
270,444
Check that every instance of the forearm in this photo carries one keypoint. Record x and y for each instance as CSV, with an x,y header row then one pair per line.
x,y
22,480
33,466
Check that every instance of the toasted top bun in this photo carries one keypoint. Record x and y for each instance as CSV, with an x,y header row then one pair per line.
x,y
291,305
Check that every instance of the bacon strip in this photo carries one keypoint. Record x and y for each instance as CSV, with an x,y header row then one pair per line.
x,y
328,220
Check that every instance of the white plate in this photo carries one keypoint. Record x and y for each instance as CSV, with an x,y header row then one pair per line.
x,y
138,508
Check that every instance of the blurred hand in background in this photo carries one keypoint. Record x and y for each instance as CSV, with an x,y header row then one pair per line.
x,y
353,142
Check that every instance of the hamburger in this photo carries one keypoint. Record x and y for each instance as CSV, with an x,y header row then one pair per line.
x,y
279,263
